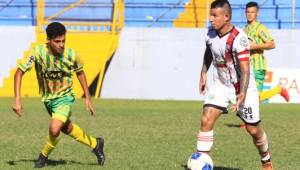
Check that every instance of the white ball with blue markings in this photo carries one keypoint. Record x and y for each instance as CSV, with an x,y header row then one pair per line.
x,y
200,161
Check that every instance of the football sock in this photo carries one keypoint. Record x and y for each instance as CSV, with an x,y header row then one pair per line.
x,y
264,95
262,144
205,141
266,158
50,145
79,135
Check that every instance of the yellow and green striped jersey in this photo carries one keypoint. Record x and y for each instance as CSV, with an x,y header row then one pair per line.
x,y
54,73
258,33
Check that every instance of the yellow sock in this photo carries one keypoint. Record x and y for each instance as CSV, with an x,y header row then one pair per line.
x,y
50,145
78,134
269,93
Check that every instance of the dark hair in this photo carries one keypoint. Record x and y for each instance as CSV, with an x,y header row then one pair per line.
x,y
252,4
222,4
55,29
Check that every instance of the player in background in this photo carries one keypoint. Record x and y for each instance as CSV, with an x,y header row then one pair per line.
x,y
55,64
260,40
227,49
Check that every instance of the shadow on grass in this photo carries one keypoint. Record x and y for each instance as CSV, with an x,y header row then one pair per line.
x,y
215,168
50,162
225,168
232,125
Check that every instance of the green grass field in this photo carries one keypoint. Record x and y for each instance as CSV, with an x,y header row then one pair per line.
x,y
146,135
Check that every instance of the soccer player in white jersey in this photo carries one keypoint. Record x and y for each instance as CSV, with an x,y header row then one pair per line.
x,y
227,49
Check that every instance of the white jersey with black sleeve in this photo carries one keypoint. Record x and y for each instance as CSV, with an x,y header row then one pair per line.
x,y
227,51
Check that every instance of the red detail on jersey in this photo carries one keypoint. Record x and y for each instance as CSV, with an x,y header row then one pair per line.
x,y
244,52
244,59
229,56
229,43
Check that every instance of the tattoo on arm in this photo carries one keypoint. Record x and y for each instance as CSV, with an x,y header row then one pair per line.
x,y
207,60
245,75
244,82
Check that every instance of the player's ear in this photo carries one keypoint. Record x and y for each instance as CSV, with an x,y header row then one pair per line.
x,y
257,11
227,17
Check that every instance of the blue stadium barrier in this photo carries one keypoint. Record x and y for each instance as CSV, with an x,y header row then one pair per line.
x,y
287,24
266,11
298,12
16,10
134,22
284,13
92,11
238,12
241,2
103,12
286,2
156,1
276,14
239,23
271,24
11,21
161,15
142,11
58,1
283,2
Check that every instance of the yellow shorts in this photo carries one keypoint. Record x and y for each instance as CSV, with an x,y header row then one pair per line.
x,y
60,108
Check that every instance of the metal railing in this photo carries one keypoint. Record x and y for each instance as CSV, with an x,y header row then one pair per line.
x,y
78,25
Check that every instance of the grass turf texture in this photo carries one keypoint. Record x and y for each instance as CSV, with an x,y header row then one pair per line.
x,y
148,135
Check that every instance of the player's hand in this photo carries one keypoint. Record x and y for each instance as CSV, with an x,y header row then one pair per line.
x,y
17,106
253,45
89,106
240,100
202,84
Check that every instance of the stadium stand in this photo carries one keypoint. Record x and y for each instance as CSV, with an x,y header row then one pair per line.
x,y
151,14
276,14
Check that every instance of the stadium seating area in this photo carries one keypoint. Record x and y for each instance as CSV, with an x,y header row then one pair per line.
x,y
276,14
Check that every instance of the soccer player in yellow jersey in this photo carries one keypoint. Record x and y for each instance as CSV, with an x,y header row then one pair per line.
x,y
55,64
260,40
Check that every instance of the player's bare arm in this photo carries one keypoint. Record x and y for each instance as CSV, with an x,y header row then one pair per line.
x,y
17,105
203,75
244,82
264,46
82,79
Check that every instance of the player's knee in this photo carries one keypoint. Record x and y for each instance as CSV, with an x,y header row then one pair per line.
x,y
253,131
54,131
206,123
67,127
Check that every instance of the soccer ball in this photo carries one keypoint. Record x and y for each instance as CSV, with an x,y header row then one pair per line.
x,y
200,161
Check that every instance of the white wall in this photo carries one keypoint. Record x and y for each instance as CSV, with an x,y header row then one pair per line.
x,y
154,63
164,63
286,54
13,42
